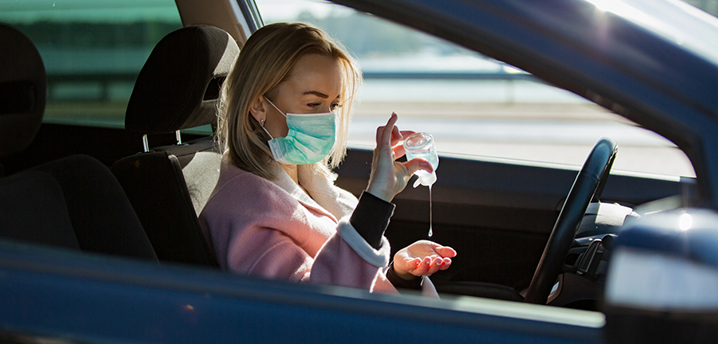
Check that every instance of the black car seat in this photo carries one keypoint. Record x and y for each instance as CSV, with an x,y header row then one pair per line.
x,y
178,88
73,203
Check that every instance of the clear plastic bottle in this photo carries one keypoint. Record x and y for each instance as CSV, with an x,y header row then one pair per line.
x,y
421,145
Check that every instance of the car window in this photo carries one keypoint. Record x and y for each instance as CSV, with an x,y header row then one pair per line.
x,y
473,105
90,77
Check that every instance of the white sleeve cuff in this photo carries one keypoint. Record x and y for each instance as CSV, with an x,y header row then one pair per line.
x,y
378,258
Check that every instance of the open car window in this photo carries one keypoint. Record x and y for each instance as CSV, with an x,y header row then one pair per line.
x,y
473,105
92,51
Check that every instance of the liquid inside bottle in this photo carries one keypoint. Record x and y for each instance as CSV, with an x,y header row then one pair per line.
x,y
421,145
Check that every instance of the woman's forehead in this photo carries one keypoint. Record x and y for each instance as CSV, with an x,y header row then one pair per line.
x,y
316,74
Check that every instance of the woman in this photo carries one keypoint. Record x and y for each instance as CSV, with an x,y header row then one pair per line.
x,y
275,211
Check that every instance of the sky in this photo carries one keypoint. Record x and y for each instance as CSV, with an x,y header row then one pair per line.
x,y
283,10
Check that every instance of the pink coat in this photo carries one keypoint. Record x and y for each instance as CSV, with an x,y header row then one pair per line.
x,y
274,229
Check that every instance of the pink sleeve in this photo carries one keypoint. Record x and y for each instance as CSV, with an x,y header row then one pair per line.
x,y
283,259
336,263
256,229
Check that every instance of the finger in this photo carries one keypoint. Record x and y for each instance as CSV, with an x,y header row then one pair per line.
x,y
398,151
411,264
396,136
416,164
423,267
445,263
434,266
379,133
405,133
445,251
399,148
386,133
433,270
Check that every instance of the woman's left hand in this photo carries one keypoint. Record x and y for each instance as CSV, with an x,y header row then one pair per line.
x,y
388,176
422,258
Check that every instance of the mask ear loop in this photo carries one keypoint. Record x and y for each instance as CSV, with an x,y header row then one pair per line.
x,y
261,124
270,102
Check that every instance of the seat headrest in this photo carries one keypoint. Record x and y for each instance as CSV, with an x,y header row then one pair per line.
x,y
22,90
179,85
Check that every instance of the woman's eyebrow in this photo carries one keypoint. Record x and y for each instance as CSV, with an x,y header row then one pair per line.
x,y
319,94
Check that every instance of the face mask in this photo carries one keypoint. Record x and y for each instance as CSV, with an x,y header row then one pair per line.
x,y
309,140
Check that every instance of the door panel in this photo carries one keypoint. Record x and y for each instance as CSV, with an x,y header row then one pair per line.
x,y
78,297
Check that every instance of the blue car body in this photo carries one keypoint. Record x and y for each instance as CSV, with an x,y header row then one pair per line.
x,y
55,295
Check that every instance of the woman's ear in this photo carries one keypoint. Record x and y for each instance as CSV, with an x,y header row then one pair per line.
x,y
257,109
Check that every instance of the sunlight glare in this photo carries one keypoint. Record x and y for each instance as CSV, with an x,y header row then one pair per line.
x,y
685,222
620,8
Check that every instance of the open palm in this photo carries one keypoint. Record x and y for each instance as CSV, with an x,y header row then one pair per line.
x,y
422,258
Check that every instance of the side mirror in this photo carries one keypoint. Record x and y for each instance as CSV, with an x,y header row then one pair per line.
x,y
662,280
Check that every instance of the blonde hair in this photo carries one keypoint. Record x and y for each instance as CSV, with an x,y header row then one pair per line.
x,y
263,63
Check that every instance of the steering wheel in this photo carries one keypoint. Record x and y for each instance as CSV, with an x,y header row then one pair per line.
x,y
588,184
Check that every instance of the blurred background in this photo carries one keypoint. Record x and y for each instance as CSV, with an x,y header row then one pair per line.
x,y
475,107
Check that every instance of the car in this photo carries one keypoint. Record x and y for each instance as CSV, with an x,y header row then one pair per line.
x,y
101,169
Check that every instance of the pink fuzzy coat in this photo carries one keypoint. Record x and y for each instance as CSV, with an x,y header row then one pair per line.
x,y
275,230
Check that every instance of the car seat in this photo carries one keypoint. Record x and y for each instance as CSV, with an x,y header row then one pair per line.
x,y
178,88
74,203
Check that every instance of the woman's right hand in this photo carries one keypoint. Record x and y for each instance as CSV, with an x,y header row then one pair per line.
x,y
422,258
388,176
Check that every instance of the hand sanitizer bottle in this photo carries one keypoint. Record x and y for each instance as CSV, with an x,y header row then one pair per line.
x,y
421,145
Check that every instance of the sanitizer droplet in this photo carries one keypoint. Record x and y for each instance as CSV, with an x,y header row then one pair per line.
x,y
431,215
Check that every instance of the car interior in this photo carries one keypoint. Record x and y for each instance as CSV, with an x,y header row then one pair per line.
x,y
188,64
135,191
64,202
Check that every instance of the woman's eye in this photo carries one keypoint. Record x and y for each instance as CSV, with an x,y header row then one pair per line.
x,y
332,107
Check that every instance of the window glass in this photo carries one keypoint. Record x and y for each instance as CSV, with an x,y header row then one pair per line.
x,y
473,105
93,51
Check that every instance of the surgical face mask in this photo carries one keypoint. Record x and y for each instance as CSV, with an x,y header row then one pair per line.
x,y
309,140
